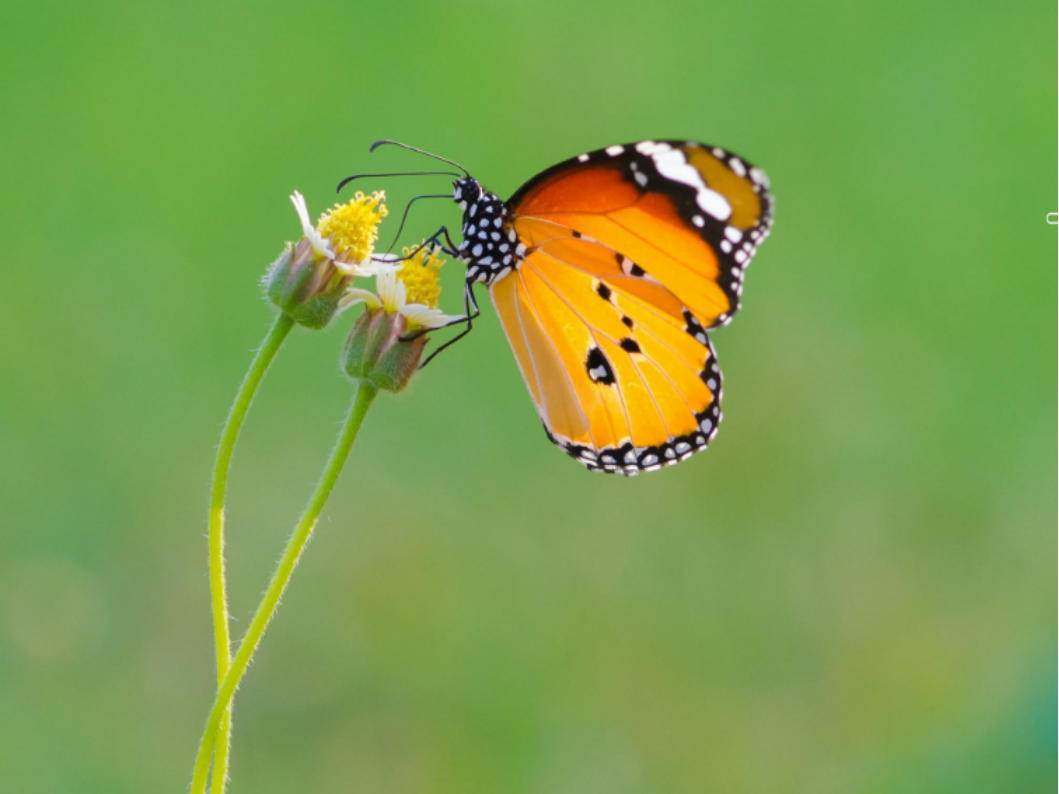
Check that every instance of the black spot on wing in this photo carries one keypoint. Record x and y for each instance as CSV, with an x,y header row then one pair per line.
x,y
599,368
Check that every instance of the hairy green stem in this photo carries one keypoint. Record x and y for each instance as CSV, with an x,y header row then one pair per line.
x,y
362,398
270,346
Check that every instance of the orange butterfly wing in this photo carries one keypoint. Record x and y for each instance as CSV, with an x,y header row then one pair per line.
x,y
689,215
631,253
623,377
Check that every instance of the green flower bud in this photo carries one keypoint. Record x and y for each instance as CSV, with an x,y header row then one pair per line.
x,y
377,351
305,286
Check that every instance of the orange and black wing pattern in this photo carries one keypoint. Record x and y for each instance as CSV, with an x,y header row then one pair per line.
x,y
628,256
690,215
623,377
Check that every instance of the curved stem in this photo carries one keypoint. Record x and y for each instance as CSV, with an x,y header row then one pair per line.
x,y
362,398
270,346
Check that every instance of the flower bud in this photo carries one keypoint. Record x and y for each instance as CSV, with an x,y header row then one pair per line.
x,y
305,285
377,352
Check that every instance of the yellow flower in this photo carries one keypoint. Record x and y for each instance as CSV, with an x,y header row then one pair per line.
x,y
412,291
309,277
353,227
420,276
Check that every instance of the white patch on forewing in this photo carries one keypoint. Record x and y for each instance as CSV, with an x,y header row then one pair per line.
x,y
672,164
614,151
649,148
582,158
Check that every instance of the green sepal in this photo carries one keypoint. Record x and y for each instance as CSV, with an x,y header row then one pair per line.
x,y
303,287
375,351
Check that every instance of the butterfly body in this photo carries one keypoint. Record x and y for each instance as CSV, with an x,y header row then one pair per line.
x,y
607,271
491,248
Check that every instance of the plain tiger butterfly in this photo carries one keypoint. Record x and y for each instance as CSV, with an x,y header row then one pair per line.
x,y
607,272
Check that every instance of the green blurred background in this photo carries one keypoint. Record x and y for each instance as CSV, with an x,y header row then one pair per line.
x,y
850,592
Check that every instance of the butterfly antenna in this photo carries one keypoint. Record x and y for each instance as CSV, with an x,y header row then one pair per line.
x,y
349,179
377,144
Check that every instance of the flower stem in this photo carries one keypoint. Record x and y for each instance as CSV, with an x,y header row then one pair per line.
x,y
362,399
270,346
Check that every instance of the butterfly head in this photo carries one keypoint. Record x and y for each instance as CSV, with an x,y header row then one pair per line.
x,y
466,191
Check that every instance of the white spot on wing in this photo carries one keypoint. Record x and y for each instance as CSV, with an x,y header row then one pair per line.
x,y
714,204
672,164
650,148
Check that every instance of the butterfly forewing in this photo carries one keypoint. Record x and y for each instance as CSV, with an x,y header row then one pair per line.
x,y
689,215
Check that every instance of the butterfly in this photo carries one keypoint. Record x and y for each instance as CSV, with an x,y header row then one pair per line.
x,y
607,272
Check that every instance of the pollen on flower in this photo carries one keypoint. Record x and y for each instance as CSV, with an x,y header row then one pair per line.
x,y
420,276
353,227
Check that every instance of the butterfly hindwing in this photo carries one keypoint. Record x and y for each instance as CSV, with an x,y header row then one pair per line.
x,y
623,377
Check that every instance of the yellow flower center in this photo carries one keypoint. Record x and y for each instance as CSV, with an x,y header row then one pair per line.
x,y
420,276
354,227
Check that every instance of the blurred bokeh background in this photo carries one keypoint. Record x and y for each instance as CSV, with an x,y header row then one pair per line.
x,y
850,592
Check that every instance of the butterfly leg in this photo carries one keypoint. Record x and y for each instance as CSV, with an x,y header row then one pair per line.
x,y
470,305
448,247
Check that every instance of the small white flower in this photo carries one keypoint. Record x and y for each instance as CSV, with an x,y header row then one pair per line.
x,y
392,295
320,246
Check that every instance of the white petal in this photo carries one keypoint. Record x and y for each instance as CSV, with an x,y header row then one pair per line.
x,y
374,268
364,271
422,315
353,296
399,298
321,246
303,212
391,291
